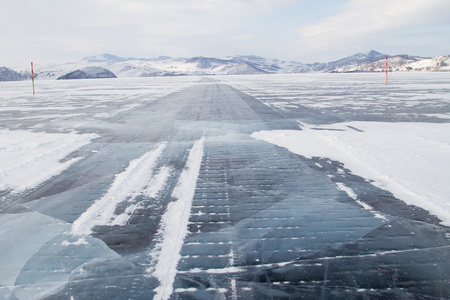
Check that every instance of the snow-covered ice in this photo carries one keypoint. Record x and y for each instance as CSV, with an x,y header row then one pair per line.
x,y
409,159
126,186
29,158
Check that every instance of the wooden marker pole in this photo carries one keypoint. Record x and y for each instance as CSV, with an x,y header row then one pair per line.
x,y
32,77
386,70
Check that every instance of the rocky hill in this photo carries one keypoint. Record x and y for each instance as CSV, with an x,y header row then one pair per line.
x,y
89,73
7,74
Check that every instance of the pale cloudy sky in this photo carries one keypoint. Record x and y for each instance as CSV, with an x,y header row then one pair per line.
x,y
48,31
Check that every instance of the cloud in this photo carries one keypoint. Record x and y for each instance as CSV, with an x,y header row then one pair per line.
x,y
147,27
132,27
244,38
172,15
360,20
183,27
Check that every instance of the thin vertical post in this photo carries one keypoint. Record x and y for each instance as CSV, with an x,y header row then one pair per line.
x,y
386,70
32,77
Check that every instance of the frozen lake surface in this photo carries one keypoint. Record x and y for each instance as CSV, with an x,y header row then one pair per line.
x,y
330,186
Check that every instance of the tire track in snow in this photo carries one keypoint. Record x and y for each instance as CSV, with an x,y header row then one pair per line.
x,y
126,186
174,224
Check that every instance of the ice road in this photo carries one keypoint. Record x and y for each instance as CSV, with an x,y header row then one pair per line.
x,y
314,186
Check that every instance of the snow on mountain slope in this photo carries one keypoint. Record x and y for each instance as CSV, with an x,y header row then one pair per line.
x,y
356,59
372,61
438,63
168,66
401,63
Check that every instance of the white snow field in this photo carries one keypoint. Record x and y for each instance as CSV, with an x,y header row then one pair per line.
x,y
30,158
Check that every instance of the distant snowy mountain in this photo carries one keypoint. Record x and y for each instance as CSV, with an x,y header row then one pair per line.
x,y
353,60
401,63
7,74
372,61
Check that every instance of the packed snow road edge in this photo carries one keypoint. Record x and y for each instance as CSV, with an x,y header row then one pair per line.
x,y
174,224
408,159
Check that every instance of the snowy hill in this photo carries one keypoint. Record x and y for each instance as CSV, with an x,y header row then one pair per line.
x,y
400,63
372,61
7,74
89,73
356,59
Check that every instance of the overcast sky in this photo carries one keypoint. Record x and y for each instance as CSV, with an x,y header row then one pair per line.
x,y
46,31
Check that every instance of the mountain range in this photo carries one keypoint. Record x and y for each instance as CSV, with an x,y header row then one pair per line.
x,y
372,61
